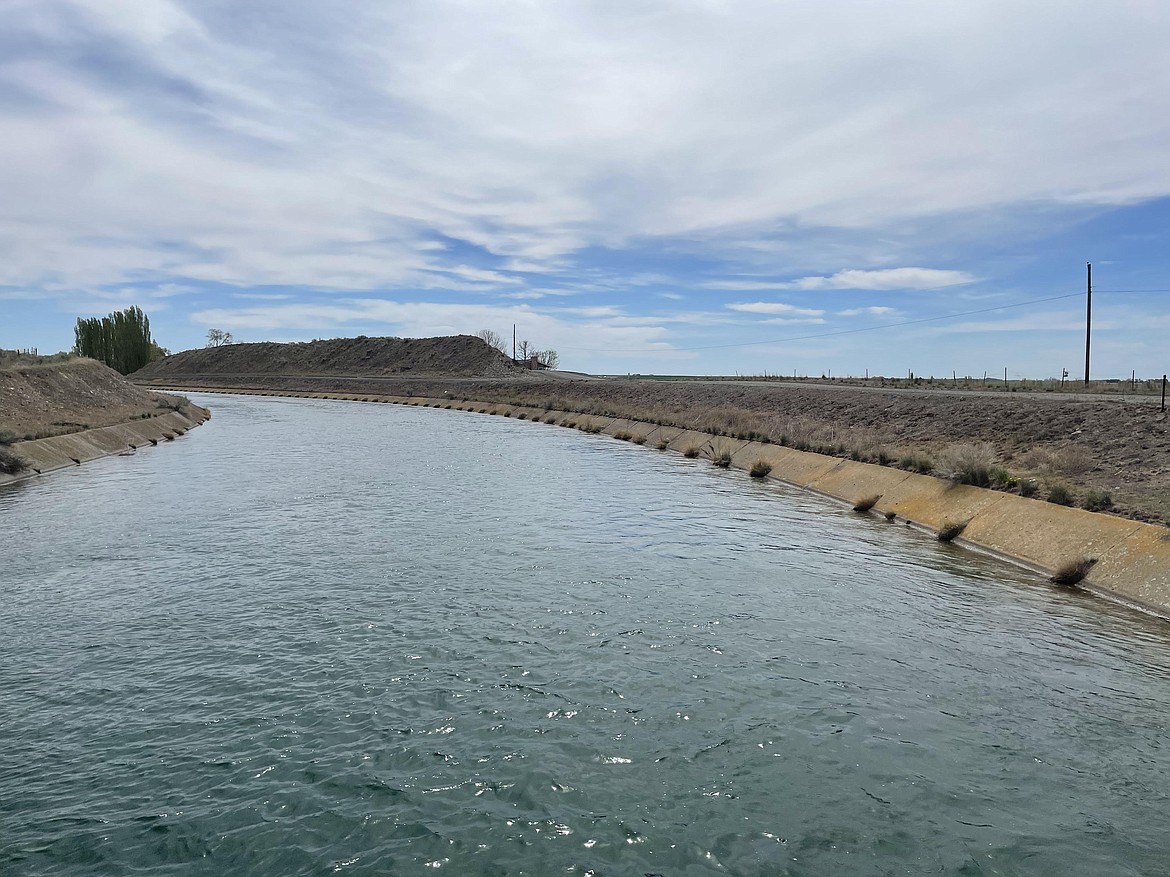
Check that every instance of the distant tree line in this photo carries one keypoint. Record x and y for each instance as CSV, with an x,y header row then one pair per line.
x,y
121,340
524,352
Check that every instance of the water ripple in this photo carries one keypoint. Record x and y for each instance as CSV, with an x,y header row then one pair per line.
x,y
318,637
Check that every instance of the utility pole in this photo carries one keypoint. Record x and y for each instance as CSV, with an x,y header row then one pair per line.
x,y
513,342
1088,316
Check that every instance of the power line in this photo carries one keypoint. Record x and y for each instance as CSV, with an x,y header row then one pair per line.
x,y
1019,304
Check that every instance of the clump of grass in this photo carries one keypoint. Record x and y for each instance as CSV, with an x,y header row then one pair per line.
x,y
891,515
720,456
1028,487
622,436
550,419
1002,479
522,416
570,424
1073,572
8,437
914,463
968,463
1060,494
951,529
760,469
691,452
1071,460
10,463
883,459
866,503
663,444
639,439
1097,501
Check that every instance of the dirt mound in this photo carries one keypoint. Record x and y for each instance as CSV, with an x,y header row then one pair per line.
x,y
452,356
55,398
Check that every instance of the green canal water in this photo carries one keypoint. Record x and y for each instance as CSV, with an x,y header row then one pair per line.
x,y
316,638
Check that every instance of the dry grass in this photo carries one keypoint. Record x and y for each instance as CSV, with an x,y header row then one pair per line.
x,y
692,452
969,463
1073,572
10,463
1060,494
1097,501
760,469
867,503
720,455
951,529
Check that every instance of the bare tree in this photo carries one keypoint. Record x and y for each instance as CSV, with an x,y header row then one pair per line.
x,y
548,358
525,350
218,338
494,339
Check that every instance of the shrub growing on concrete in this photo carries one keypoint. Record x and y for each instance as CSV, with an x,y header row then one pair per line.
x,y
867,503
951,529
760,469
1073,572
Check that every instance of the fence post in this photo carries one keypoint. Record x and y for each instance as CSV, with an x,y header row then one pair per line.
x,y
1163,392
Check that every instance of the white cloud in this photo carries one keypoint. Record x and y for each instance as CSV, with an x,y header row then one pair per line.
x,y
773,307
885,279
784,321
876,311
291,144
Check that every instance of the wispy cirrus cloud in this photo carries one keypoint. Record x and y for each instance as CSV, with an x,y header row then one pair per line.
x,y
774,307
885,279
874,311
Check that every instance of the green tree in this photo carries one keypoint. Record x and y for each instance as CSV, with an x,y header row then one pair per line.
x,y
121,340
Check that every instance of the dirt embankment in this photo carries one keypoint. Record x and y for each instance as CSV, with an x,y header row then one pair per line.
x,y
455,356
58,398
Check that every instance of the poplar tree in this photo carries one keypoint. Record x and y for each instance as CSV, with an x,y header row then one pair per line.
x,y
121,340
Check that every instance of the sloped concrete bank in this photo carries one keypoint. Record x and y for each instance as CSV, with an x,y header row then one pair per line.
x,y
49,454
1131,559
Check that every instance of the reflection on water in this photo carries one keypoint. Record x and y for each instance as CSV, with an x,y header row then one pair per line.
x,y
316,637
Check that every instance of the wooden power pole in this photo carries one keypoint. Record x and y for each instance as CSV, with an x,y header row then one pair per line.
x,y
1088,316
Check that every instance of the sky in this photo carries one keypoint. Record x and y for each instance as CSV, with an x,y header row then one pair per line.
x,y
686,187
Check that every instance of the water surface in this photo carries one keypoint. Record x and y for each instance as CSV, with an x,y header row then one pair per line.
x,y
315,637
